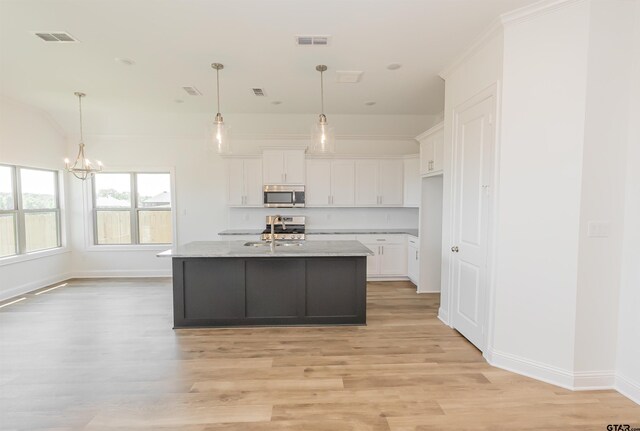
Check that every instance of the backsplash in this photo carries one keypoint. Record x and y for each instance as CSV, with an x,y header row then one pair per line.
x,y
325,218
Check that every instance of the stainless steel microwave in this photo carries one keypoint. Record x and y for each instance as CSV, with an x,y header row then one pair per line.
x,y
283,196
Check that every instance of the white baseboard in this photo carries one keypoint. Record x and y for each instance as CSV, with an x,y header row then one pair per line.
x,y
443,316
535,370
593,380
427,291
32,285
119,273
391,278
628,388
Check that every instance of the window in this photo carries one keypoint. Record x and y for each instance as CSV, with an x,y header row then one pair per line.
x,y
132,208
29,210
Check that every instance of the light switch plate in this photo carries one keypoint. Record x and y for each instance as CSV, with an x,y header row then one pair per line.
x,y
598,229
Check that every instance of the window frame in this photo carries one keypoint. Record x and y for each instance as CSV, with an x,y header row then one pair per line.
x,y
134,210
19,214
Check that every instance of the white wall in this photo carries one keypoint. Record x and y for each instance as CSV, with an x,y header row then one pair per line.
x,y
603,187
199,201
543,104
28,137
201,192
431,237
628,349
476,72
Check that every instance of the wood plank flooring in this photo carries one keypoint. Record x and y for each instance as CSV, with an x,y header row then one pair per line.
x,y
101,355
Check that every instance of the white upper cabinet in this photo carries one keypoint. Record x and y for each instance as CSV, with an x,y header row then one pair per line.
x,y
283,167
367,183
343,183
379,182
391,182
245,182
431,150
318,186
412,182
330,183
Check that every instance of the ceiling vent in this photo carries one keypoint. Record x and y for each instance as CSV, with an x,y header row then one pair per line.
x,y
348,76
192,91
312,40
258,92
57,36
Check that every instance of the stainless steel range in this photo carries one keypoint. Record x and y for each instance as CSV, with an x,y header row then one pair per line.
x,y
286,228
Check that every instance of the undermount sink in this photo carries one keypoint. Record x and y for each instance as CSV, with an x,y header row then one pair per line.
x,y
267,244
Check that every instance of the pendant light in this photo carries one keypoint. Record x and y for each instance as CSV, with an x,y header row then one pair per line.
x,y
220,139
322,136
82,168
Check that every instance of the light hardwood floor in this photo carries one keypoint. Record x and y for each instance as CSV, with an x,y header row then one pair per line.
x,y
101,354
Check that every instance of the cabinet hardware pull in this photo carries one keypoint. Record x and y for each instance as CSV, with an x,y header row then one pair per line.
x,y
455,249
416,254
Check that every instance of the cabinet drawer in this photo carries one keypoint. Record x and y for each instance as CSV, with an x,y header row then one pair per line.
x,y
382,239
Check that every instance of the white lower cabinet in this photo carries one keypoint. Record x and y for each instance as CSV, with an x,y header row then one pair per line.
x,y
239,237
390,255
413,259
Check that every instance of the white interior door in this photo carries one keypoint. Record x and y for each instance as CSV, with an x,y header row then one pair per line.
x,y
473,180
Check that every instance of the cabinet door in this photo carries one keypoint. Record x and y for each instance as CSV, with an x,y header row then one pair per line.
x,y
393,259
426,155
343,182
272,167
412,182
253,182
367,183
391,182
293,166
412,263
318,185
235,186
438,151
373,262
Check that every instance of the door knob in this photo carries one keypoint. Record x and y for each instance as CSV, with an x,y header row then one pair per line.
x,y
454,249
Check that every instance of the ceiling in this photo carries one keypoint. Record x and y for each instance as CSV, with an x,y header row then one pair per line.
x,y
173,43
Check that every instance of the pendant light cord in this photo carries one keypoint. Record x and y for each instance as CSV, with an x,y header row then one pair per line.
x,y
322,92
80,109
218,87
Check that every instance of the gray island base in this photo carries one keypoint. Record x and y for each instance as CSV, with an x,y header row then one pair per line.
x,y
230,283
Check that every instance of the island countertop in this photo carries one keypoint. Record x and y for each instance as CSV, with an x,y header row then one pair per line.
x,y
370,231
239,249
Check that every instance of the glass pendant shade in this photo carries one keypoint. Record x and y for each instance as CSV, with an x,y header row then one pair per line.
x,y
322,134
322,137
220,135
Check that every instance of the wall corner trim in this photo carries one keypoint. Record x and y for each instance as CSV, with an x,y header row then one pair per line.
x,y
443,315
628,388
535,370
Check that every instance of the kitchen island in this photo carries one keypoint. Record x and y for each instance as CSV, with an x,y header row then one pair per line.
x,y
238,283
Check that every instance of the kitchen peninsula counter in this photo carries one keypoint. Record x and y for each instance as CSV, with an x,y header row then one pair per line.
x,y
235,283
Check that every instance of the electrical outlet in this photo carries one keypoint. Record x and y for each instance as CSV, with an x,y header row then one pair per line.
x,y
388,217
598,229
245,217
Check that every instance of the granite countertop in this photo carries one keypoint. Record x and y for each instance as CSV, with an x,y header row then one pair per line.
x,y
412,232
238,249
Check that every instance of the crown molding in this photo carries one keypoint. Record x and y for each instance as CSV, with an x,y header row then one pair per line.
x,y
496,27
430,131
493,30
534,10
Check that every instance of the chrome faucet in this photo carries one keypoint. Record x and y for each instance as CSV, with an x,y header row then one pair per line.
x,y
275,219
